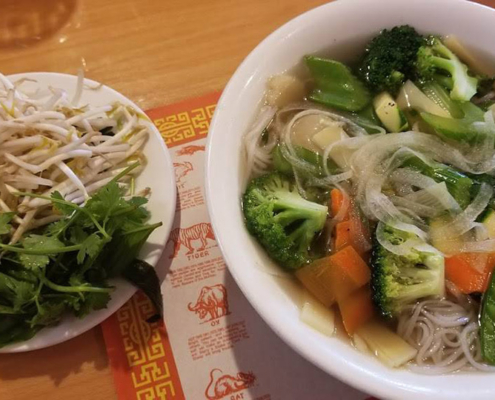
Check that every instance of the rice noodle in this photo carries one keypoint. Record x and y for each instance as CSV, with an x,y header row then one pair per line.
x,y
445,333
258,155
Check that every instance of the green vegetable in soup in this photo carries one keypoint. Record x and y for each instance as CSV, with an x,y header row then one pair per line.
x,y
282,221
335,85
390,58
367,119
434,58
439,94
470,128
458,184
487,324
399,280
389,113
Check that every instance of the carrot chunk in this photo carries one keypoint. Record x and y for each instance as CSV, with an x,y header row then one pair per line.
x,y
356,309
318,279
350,271
470,272
336,202
335,277
342,234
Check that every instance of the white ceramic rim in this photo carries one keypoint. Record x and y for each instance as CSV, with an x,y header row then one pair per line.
x,y
385,385
124,289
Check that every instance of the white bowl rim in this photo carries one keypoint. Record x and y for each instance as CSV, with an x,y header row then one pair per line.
x,y
357,377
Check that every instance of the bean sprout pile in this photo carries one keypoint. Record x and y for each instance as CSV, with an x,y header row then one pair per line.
x,y
51,142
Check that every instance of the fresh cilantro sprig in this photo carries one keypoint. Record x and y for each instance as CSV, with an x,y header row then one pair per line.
x,y
64,267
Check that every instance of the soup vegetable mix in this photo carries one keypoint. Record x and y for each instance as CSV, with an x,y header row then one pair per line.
x,y
69,215
374,184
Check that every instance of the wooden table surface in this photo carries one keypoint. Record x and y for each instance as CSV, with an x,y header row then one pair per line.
x,y
155,52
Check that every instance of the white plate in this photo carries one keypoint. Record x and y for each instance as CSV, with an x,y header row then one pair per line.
x,y
158,175
341,28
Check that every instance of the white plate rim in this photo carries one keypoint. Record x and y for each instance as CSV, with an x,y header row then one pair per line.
x,y
126,290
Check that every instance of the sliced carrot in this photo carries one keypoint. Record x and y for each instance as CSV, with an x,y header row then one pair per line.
x,y
470,272
342,234
335,277
336,202
350,272
318,279
356,309
351,230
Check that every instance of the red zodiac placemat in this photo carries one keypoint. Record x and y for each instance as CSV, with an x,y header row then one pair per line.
x,y
212,344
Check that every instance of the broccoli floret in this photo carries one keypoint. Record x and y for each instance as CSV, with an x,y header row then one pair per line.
x,y
400,280
390,58
283,222
435,58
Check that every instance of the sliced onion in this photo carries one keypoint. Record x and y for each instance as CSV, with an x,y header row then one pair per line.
x,y
306,108
428,145
409,228
412,177
482,152
464,221
369,192
349,143
420,210
480,231
483,246
331,180
402,249
436,196
290,154
402,189
427,248
344,207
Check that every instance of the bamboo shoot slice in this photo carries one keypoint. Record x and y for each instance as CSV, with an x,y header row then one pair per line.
x,y
316,315
389,347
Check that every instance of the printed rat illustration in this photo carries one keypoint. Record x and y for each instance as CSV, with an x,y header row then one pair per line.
x,y
222,385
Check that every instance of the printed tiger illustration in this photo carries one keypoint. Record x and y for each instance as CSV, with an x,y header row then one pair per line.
x,y
185,236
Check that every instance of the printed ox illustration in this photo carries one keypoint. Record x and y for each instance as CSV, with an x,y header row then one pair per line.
x,y
212,303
